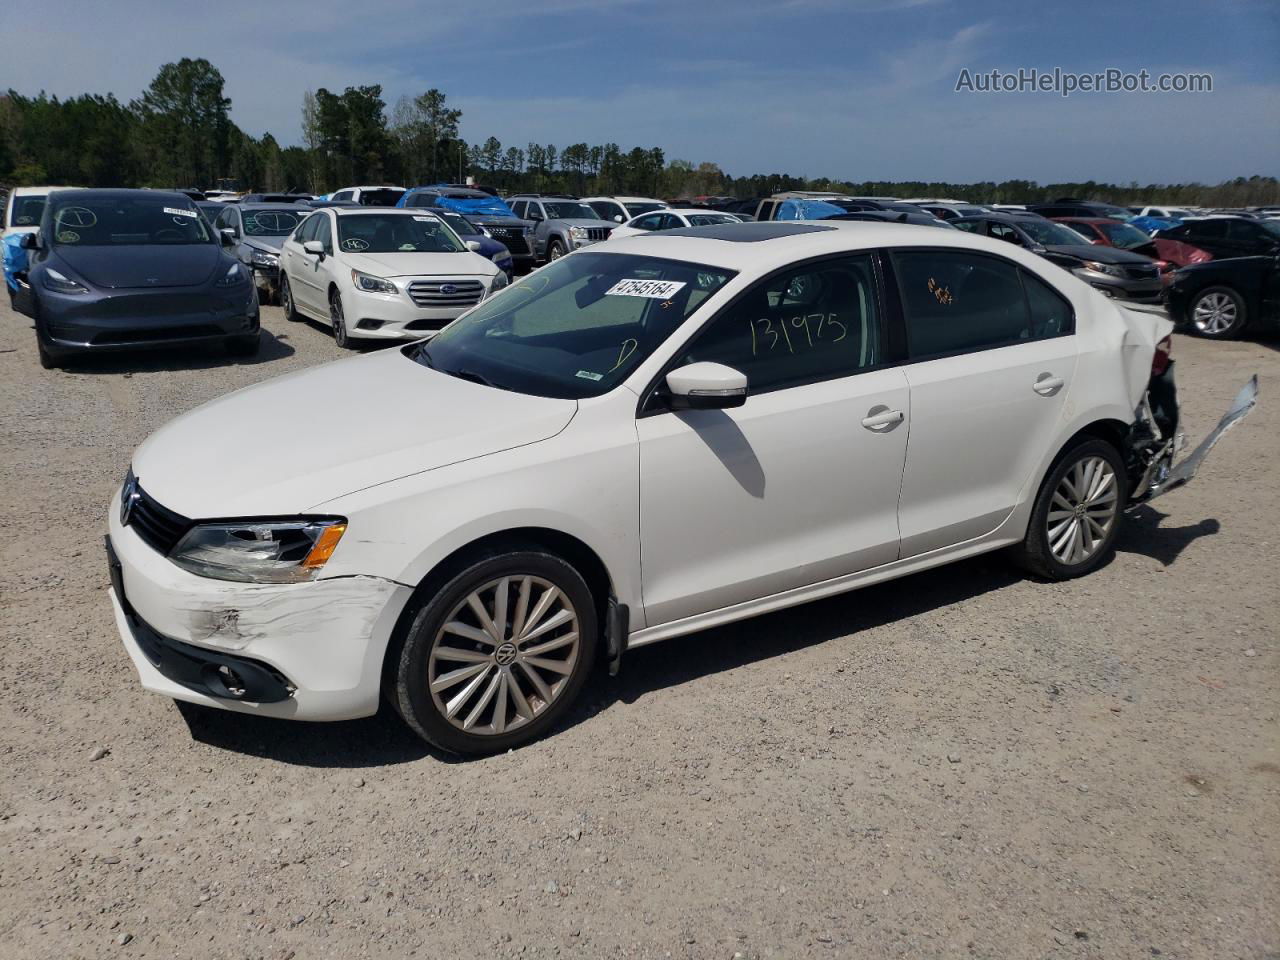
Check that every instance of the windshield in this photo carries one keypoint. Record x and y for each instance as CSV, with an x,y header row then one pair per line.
x,y
635,209
1046,232
575,328
101,221
271,223
396,233
380,198
1124,236
1271,226
710,219
27,211
461,225
563,210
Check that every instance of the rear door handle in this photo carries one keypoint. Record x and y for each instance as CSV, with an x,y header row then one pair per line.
x,y
881,416
1047,384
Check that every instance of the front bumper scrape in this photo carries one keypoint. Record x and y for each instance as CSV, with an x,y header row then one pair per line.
x,y
1165,478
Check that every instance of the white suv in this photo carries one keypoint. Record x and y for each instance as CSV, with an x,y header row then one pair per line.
x,y
374,274
636,442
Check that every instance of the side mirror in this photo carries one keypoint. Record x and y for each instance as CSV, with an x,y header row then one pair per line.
x,y
706,386
314,247
535,217
474,246
30,241
617,218
228,235
1038,249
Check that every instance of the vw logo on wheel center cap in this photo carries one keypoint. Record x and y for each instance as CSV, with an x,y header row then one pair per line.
x,y
505,654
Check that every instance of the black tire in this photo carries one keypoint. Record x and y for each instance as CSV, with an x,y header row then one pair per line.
x,y
246,346
410,672
286,300
1036,553
555,250
1224,314
48,359
338,317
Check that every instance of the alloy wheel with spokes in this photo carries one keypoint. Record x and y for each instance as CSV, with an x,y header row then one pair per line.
x,y
339,321
494,656
1217,313
1083,510
504,655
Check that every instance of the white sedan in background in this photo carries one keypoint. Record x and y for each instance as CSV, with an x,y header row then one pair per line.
x,y
639,441
381,274
672,220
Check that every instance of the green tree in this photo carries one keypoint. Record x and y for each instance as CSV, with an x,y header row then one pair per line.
x,y
184,124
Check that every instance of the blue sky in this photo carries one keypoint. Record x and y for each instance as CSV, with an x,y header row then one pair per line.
x,y
853,89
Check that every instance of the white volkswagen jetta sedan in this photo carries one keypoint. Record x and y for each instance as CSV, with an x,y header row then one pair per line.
x,y
381,274
641,440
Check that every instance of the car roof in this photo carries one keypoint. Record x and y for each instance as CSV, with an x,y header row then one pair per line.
x,y
401,211
767,245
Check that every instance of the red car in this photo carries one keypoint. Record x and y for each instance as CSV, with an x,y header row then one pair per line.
x,y
1169,255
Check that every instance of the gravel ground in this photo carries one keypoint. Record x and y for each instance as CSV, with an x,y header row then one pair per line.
x,y
961,763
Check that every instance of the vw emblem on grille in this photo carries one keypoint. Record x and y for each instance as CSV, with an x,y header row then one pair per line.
x,y
129,498
448,288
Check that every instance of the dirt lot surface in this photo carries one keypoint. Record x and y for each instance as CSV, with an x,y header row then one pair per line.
x,y
964,763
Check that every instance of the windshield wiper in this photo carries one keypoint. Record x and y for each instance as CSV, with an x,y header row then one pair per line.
x,y
476,378
423,357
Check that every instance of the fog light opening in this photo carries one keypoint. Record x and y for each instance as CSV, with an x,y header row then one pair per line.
x,y
231,681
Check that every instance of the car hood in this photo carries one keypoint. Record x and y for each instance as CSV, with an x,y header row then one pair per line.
x,y
286,446
1100,253
269,244
151,266
419,264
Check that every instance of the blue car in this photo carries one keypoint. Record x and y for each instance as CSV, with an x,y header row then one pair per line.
x,y
124,269
483,210
471,233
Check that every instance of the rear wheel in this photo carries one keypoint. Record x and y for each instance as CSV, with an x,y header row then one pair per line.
x,y
1218,313
498,654
1076,516
286,299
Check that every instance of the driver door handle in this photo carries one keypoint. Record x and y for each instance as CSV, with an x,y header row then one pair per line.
x,y
1047,384
884,418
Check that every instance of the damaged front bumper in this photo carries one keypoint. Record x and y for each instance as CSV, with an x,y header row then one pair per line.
x,y
305,651
1155,439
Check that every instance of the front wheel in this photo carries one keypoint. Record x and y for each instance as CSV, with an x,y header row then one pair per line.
x,y
286,299
339,320
555,250
1076,516
498,654
1218,313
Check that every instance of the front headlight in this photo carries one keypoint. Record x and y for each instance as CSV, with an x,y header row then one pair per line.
x,y
266,551
54,280
1108,268
500,280
261,258
578,233
500,256
368,284
233,277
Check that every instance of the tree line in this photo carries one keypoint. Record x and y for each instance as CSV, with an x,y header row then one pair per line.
x,y
179,133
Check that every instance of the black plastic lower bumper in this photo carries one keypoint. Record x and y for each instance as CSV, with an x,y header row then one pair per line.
x,y
214,674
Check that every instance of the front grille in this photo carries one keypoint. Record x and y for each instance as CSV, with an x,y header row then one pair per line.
x,y
160,305
1142,273
599,233
158,334
446,293
158,526
513,240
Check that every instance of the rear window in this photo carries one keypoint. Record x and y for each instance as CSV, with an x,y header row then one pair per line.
x,y
380,198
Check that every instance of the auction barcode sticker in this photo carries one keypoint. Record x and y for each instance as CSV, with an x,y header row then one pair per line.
x,y
654,289
181,213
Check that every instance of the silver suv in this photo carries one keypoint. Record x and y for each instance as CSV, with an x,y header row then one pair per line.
x,y
561,224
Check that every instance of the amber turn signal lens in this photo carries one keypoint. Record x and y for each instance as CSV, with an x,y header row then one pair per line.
x,y
325,546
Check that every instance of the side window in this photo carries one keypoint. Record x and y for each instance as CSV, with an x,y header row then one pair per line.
x,y
323,232
1051,314
342,195
651,222
420,200
1002,231
1208,230
306,229
960,302
969,226
517,207
1243,230
670,222
811,323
